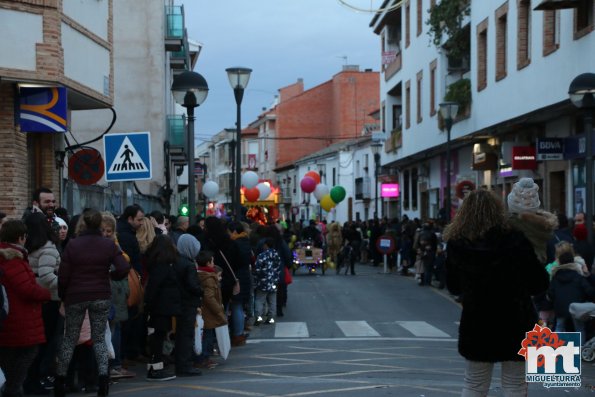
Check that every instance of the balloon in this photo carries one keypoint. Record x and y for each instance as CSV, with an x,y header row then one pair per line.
x,y
327,203
314,175
308,184
252,194
210,189
264,189
250,179
338,194
320,191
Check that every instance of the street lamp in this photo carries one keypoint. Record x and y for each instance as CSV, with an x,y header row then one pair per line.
x,y
375,146
190,90
238,78
448,111
581,92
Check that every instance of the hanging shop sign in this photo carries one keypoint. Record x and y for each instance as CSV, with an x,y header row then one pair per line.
x,y
550,149
43,109
524,158
390,190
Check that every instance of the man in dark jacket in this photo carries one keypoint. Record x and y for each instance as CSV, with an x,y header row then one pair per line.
x,y
126,228
191,293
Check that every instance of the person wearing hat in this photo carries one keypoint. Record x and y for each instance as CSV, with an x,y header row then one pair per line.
x,y
526,216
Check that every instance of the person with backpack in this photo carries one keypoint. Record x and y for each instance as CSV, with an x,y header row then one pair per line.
x,y
22,331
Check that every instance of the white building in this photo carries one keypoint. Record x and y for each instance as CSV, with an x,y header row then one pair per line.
x,y
518,64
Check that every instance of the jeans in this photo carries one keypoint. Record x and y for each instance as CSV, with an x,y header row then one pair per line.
x,y
478,376
15,362
262,297
237,317
116,328
208,342
579,326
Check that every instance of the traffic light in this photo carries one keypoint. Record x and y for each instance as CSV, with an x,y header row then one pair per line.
x,y
183,210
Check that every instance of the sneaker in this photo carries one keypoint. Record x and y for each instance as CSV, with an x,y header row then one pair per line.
x,y
258,321
156,373
121,373
270,320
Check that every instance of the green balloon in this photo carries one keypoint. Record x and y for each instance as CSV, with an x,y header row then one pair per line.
x,y
338,194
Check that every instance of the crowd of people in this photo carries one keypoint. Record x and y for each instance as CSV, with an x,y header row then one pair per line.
x,y
91,297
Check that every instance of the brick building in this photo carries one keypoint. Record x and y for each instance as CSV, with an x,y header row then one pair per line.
x,y
48,43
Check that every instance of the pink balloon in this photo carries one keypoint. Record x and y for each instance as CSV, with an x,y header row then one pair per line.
x,y
308,184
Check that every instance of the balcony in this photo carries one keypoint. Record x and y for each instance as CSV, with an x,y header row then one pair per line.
x,y
174,28
286,195
395,140
362,188
176,136
390,69
179,59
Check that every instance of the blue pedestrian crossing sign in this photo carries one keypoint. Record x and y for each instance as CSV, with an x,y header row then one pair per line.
x,y
127,156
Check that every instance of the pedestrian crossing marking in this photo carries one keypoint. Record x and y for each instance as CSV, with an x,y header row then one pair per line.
x,y
291,330
356,328
422,329
127,159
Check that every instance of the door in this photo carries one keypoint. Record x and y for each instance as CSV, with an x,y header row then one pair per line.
x,y
558,192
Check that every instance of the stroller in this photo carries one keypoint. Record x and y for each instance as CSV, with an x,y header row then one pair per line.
x,y
584,312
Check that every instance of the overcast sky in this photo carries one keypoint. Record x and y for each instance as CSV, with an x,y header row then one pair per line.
x,y
281,41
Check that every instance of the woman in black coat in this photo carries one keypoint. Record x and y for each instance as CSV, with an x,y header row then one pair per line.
x,y
496,271
162,301
240,237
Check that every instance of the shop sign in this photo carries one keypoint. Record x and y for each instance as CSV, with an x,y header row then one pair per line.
x,y
390,190
576,147
485,161
524,158
550,149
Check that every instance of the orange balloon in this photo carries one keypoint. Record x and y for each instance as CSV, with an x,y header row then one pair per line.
x,y
314,175
252,194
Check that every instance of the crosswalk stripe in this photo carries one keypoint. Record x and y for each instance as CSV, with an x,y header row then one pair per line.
x,y
422,329
291,330
356,328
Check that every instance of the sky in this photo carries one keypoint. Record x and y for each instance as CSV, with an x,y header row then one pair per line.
x,y
281,41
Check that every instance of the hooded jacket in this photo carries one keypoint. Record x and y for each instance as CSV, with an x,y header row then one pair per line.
x,y
212,305
185,267
45,263
568,286
24,325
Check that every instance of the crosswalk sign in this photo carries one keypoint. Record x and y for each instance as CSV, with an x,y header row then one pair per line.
x,y
127,156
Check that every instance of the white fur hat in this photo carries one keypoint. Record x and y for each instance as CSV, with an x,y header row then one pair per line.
x,y
524,196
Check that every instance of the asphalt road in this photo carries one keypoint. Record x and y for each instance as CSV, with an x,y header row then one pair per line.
x,y
371,334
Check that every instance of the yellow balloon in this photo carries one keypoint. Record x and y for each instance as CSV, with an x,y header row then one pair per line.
x,y
327,203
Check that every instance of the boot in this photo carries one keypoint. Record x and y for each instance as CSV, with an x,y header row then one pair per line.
x,y
238,340
59,386
103,386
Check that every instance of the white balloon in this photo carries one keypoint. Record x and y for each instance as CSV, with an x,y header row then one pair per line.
x,y
264,189
250,179
321,191
210,189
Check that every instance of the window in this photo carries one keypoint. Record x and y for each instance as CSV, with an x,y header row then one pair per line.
x,y
418,95
334,176
433,87
551,31
406,189
419,16
407,24
501,39
583,18
397,117
414,189
408,104
482,55
523,33
383,117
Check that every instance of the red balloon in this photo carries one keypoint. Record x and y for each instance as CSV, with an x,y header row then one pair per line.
x,y
314,175
308,184
252,194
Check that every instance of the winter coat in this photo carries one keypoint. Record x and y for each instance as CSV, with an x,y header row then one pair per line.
x,y
538,228
568,286
84,274
45,263
186,271
496,277
24,325
267,270
129,244
212,304
162,293
120,293
231,251
243,273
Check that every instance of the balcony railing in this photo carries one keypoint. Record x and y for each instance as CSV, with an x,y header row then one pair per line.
x,y
174,27
394,66
362,188
176,134
178,59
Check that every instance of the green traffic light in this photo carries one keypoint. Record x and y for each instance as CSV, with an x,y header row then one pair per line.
x,y
183,211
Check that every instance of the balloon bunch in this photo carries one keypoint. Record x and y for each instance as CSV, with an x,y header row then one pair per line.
x,y
254,191
328,198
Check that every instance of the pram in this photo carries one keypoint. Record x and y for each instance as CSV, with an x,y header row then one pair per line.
x,y
584,312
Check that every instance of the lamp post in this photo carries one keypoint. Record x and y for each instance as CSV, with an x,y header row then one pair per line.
x,y
238,79
190,90
448,111
582,92
375,146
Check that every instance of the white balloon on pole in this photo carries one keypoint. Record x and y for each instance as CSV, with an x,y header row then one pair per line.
x,y
210,189
321,191
250,179
264,189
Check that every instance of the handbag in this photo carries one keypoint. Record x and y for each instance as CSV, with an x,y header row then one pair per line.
x,y
198,329
236,286
136,296
287,275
